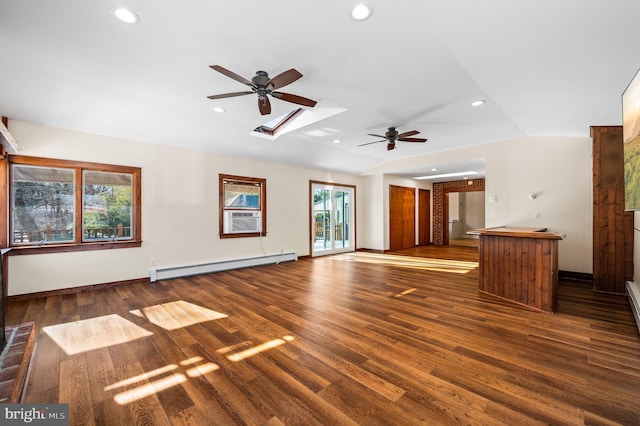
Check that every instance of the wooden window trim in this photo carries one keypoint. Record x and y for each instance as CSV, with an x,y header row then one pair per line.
x,y
263,205
78,244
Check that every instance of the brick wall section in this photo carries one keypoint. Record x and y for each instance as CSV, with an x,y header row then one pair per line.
x,y
440,211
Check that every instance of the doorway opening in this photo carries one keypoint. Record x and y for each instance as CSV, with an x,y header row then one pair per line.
x,y
441,205
465,213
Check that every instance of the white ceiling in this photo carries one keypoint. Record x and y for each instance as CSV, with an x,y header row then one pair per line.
x,y
544,67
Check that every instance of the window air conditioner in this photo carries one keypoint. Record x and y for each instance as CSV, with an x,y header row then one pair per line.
x,y
239,221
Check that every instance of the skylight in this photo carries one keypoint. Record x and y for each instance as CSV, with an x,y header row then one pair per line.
x,y
277,124
296,119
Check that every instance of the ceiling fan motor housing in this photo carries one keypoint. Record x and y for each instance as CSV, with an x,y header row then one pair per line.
x,y
260,79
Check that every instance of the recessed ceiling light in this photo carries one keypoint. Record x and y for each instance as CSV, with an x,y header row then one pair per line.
x,y
125,15
361,11
477,102
336,141
218,109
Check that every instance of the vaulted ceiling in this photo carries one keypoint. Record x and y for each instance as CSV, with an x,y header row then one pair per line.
x,y
543,68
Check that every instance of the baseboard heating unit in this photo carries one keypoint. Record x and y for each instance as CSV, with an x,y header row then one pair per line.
x,y
225,265
633,291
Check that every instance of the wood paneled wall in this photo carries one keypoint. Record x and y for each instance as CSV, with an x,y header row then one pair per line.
x,y
520,269
612,226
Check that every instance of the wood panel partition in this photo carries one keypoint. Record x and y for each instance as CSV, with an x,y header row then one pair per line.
x,y
520,264
612,225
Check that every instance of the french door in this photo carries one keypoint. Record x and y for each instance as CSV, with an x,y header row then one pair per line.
x,y
332,218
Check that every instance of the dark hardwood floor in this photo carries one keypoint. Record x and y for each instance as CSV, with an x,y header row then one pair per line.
x,y
361,338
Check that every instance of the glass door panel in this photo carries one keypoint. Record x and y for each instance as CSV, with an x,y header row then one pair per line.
x,y
332,218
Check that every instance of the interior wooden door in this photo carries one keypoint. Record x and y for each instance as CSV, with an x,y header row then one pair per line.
x,y
424,217
402,217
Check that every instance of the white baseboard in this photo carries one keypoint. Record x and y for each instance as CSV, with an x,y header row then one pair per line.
x,y
633,291
156,274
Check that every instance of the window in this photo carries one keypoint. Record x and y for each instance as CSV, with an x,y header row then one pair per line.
x,y
243,202
59,205
107,201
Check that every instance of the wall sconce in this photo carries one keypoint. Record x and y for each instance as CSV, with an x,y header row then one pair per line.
x,y
470,182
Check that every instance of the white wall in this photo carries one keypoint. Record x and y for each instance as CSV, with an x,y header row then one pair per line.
x,y
371,230
454,206
179,209
180,203
557,169
472,211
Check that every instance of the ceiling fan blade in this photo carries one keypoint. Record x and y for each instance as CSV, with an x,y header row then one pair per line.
x,y
376,136
264,106
412,139
294,98
409,133
232,75
284,78
369,143
228,95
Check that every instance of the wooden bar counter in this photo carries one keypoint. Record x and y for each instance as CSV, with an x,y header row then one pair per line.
x,y
520,264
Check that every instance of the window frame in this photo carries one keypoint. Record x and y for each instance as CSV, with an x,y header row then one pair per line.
x,y
262,209
77,244
285,121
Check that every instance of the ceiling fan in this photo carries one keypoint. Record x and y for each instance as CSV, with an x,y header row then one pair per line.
x,y
264,85
392,136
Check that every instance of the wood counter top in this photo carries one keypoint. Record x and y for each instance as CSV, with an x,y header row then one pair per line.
x,y
520,232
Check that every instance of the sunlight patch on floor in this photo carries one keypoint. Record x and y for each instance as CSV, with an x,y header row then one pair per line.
x,y
407,291
239,356
149,389
412,262
95,333
178,314
160,379
233,348
145,376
